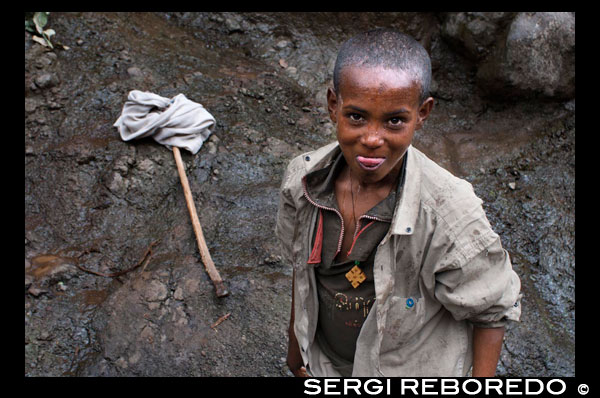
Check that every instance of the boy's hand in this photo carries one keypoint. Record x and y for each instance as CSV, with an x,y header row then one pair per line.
x,y
300,372
294,359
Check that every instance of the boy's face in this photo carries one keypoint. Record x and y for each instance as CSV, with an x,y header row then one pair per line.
x,y
377,111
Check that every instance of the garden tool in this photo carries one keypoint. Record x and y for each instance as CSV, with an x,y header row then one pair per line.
x,y
175,123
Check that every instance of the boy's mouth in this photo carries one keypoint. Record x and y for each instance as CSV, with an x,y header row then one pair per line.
x,y
369,164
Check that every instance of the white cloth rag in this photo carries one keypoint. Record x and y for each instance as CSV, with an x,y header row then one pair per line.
x,y
171,122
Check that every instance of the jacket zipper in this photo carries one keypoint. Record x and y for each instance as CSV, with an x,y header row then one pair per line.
x,y
341,239
358,231
373,218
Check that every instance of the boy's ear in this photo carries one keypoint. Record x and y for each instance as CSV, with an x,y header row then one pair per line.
x,y
424,111
332,103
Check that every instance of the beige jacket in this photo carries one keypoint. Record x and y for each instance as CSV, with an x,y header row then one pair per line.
x,y
439,270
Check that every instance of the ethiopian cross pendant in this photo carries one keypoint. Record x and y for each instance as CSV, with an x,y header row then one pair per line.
x,y
356,276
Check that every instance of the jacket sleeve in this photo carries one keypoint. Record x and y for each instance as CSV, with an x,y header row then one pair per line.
x,y
286,219
484,290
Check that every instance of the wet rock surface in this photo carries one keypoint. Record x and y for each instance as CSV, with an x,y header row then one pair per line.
x,y
94,202
517,54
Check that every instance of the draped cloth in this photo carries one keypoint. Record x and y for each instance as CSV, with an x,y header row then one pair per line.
x,y
172,122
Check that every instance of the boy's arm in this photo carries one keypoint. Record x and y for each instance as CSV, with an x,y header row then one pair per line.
x,y
487,344
284,229
294,357
484,291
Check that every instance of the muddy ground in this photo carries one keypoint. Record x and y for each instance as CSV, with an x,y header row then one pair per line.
x,y
93,201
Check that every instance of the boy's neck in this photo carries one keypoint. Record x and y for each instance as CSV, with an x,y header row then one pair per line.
x,y
389,182
367,193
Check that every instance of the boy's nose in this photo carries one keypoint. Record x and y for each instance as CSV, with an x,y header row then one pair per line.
x,y
372,138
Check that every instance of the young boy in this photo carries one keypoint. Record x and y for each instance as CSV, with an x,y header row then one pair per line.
x,y
397,271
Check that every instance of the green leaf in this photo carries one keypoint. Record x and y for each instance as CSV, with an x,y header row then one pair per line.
x,y
40,19
47,39
29,26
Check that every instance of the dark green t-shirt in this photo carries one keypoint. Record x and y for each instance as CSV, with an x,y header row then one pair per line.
x,y
343,307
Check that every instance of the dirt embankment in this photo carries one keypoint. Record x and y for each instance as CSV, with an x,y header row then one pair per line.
x,y
94,201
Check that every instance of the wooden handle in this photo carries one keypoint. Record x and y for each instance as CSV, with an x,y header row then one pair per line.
x,y
204,253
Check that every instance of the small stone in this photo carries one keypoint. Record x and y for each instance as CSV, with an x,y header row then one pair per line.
x,y
133,359
570,105
232,25
30,105
28,280
36,292
188,79
118,185
134,71
41,120
512,185
147,334
124,56
121,362
42,62
212,148
147,166
272,259
178,294
157,291
54,105
46,80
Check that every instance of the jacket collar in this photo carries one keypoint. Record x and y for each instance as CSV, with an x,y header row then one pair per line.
x,y
408,205
321,157
319,187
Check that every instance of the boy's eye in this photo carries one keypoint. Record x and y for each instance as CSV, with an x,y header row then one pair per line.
x,y
355,117
395,121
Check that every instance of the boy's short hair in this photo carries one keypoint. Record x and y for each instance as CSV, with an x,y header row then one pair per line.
x,y
390,49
